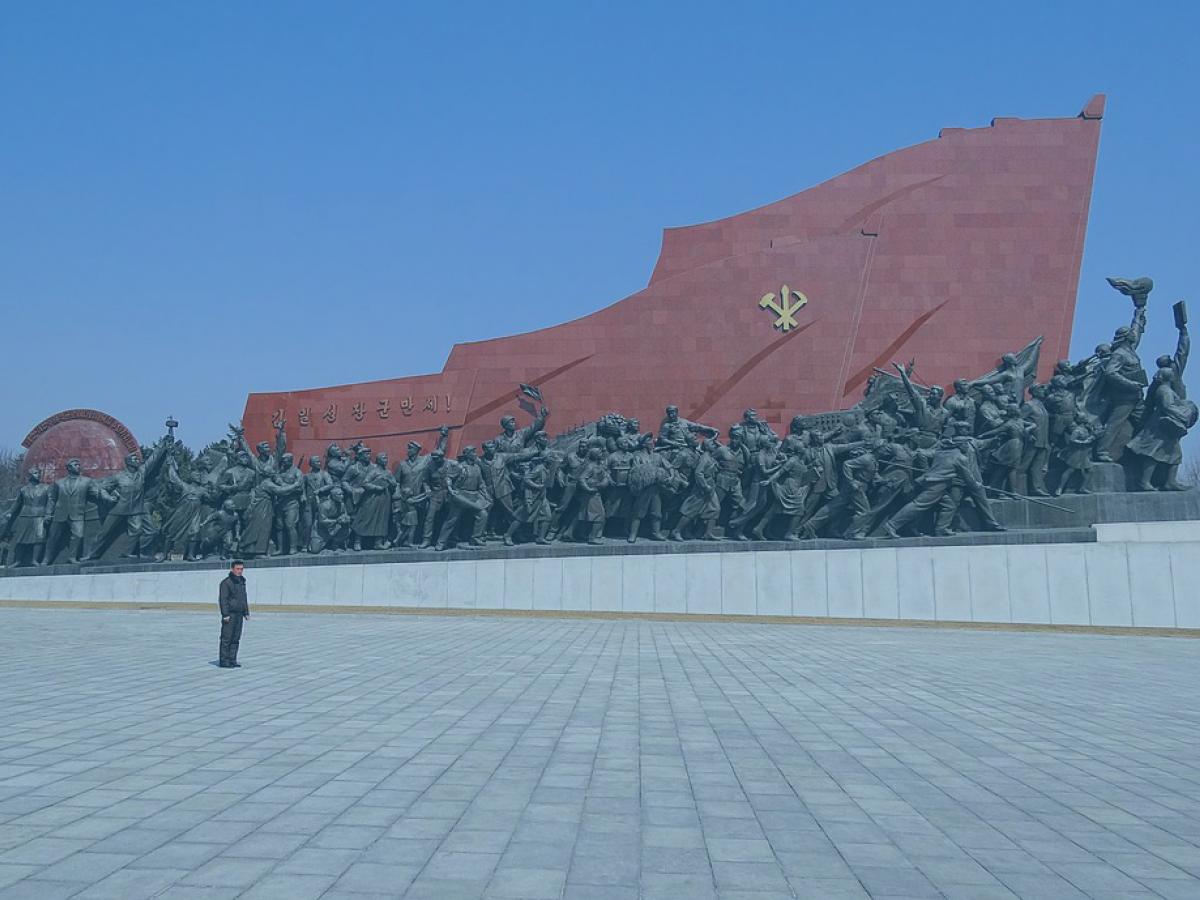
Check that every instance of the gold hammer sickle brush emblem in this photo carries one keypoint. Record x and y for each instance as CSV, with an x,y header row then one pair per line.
x,y
785,310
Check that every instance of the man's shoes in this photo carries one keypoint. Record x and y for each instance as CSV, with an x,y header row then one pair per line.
x,y
224,665
235,665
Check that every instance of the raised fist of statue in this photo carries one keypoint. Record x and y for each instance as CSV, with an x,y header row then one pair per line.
x,y
545,413
443,429
279,426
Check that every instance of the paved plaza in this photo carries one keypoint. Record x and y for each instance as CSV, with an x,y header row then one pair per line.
x,y
373,756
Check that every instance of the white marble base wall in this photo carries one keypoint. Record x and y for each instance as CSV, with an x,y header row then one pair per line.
x,y
1145,575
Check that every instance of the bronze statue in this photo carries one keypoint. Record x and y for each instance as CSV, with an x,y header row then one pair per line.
x,y
181,530
127,518
372,513
287,491
467,499
905,458
26,526
67,512
331,530
1124,380
1169,415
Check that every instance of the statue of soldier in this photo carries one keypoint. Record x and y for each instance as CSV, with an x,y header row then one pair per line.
x,y
1076,455
1062,405
947,463
786,487
731,463
317,483
618,498
466,498
562,522
331,529
1036,458
287,489
532,477
336,462
898,466
989,415
929,415
1009,379
1009,454
501,485
1168,417
356,473
755,431
511,439
701,502
411,490
26,528
858,473
1088,386
127,517
435,483
1123,382
221,530
827,458
673,432
373,512
66,514
259,516
886,418
499,479
593,479
647,472
181,530
971,486
960,406
236,484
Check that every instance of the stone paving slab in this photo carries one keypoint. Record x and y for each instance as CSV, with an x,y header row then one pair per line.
x,y
359,757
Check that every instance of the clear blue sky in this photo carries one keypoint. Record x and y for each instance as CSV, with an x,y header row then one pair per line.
x,y
198,200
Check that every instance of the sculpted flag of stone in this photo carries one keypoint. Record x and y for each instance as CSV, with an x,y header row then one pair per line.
x,y
907,459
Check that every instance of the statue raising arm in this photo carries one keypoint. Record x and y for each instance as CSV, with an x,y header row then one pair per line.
x,y
1183,345
157,457
920,409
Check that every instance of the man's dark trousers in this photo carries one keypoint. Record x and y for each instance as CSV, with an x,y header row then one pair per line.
x,y
231,636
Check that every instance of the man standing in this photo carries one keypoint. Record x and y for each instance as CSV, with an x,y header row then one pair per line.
x,y
234,610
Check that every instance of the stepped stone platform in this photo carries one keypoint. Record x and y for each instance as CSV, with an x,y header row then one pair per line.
x,y
1100,508
1109,574
610,547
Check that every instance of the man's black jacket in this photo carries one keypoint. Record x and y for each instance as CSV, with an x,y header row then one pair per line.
x,y
233,596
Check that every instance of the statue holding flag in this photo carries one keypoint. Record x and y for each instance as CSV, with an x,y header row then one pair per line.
x,y
512,439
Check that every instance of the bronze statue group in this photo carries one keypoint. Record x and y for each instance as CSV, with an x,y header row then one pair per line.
x,y
908,459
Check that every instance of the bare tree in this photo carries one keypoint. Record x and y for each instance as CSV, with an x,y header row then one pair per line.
x,y
1190,473
10,474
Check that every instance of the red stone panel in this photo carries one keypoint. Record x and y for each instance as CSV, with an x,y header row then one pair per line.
x,y
950,252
